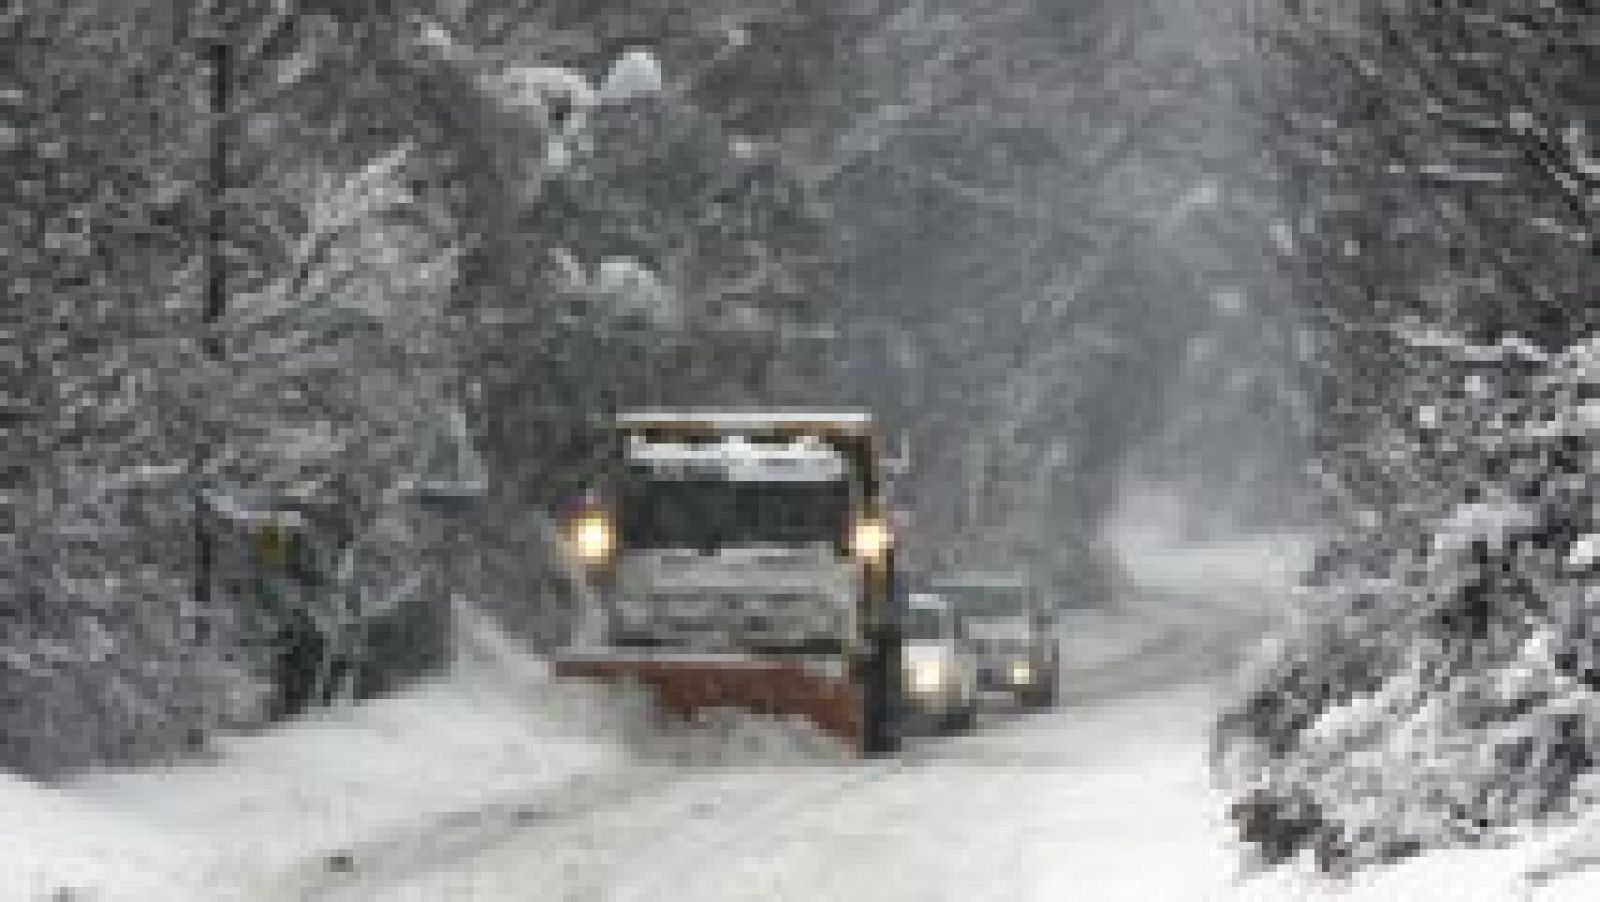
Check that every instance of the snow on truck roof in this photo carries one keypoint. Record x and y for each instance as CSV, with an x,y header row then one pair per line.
x,y
810,444
745,419
803,459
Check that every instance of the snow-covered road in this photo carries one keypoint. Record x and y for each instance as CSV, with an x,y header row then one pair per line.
x,y
1102,798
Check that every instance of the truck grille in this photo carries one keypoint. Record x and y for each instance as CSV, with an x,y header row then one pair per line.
x,y
773,618
707,604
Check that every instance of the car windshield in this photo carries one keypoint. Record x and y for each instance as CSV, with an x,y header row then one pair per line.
x,y
707,513
989,602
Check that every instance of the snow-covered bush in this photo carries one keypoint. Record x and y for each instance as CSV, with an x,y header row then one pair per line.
x,y
1439,231
1440,688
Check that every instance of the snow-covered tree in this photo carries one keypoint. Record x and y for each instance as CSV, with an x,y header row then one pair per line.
x,y
101,377
136,422
1438,689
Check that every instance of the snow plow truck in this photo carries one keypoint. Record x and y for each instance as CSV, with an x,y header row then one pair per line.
x,y
744,560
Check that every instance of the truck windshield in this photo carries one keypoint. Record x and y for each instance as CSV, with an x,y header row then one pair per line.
x,y
708,513
989,602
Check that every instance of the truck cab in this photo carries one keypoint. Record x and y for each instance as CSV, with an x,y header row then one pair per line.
x,y
1013,630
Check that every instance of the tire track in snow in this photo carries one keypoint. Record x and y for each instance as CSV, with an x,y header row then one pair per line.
x,y
357,871
736,821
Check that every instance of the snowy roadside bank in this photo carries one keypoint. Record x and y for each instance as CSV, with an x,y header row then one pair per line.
x,y
1252,579
1531,872
261,808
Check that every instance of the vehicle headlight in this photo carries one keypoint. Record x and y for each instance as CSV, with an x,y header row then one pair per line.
x,y
870,539
593,539
927,676
1021,673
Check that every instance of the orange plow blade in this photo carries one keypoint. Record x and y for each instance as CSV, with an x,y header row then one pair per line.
x,y
683,686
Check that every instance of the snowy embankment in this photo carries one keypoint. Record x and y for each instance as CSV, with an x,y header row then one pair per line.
x,y
1528,873
1249,576
248,822
1252,578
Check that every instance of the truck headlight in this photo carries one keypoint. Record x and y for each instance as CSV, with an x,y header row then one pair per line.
x,y
870,539
593,539
927,677
1021,673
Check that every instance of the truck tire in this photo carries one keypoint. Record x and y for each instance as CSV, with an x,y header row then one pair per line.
x,y
1046,694
963,717
880,695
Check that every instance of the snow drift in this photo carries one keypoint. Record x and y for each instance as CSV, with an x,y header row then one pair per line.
x,y
269,814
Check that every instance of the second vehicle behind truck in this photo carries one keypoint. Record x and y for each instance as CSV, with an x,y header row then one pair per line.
x,y
1013,630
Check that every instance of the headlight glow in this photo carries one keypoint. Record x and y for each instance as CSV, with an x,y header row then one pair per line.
x,y
1021,673
927,676
870,539
592,537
